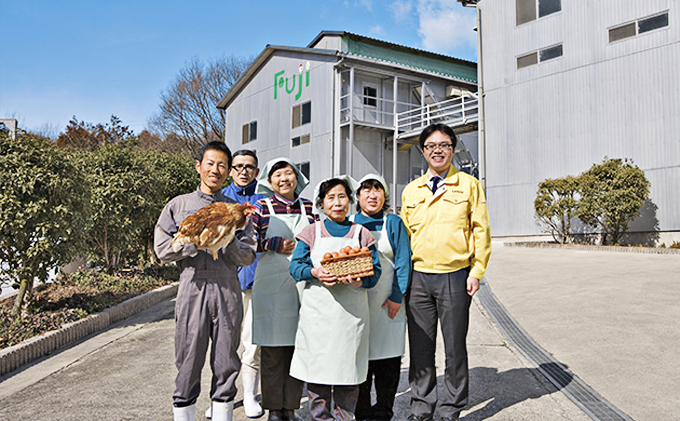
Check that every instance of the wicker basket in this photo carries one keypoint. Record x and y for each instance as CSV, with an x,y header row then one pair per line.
x,y
355,265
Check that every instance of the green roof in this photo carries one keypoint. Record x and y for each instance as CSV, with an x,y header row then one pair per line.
x,y
419,59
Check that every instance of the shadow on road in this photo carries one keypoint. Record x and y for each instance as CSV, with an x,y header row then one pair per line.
x,y
492,391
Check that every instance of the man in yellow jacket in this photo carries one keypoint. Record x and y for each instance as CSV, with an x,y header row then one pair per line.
x,y
446,217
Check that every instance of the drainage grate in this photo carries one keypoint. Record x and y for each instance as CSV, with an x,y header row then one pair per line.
x,y
594,405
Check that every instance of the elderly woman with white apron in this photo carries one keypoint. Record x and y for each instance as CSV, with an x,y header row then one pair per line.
x,y
331,345
387,315
275,298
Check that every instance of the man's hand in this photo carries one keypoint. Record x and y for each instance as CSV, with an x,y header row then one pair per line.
x,y
472,285
392,308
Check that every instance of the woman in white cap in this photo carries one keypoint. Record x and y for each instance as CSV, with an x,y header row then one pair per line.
x,y
331,345
387,315
276,303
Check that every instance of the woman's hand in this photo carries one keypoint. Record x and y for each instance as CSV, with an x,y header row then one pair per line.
x,y
287,246
356,282
323,275
392,308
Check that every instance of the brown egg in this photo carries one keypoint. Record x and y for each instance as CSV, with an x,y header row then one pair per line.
x,y
334,254
356,249
364,249
342,254
327,256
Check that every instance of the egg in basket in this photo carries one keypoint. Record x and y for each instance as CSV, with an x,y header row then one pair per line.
x,y
354,262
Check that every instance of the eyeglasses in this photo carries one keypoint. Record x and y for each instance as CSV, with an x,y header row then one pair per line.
x,y
431,147
247,167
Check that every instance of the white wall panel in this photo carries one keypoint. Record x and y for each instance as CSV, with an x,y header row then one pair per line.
x,y
558,118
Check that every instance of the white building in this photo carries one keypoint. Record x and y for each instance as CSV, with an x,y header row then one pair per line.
x,y
566,84
330,107
8,126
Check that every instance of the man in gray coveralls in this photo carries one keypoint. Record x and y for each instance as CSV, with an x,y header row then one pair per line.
x,y
208,302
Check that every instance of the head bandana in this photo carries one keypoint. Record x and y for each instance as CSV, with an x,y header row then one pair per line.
x,y
263,186
353,185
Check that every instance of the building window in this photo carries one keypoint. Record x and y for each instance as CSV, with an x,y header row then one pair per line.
x,y
304,168
551,53
527,60
638,27
302,114
370,96
655,22
625,31
542,55
300,140
249,132
548,7
528,10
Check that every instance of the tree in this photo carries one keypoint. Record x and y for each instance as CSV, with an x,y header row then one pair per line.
x,y
167,175
87,136
119,198
612,194
129,190
43,211
556,205
172,144
188,106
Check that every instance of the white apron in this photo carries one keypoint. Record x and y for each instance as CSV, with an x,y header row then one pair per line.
x,y
276,297
388,336
331,346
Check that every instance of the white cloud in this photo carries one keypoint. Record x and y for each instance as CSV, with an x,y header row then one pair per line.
x,y
446,26
368,4
377,30
401,9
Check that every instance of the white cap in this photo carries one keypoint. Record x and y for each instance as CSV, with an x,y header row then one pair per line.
x,y
378,178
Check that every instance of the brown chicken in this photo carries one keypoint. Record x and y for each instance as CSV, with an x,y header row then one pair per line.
x,y
212,227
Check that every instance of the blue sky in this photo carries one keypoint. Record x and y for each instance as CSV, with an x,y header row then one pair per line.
x,y
95,58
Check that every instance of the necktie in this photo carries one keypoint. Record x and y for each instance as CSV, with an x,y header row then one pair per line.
x,y
435,184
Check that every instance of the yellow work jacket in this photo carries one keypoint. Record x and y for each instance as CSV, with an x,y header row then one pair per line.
x,y
449,230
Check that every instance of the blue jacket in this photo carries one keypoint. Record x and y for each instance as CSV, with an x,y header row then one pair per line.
x,y
246,274
401,246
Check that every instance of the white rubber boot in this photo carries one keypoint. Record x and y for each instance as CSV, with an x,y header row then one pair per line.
x,y
250,378
185,413
222,411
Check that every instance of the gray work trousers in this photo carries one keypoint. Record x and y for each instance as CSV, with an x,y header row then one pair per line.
x,y
207,308
443,297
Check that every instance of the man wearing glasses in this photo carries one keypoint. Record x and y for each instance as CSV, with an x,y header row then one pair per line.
x,y
243,173
447,220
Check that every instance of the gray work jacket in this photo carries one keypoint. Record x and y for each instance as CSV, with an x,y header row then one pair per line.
x,y
193,263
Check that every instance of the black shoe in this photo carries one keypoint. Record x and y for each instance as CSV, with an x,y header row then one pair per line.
x,y
289,415
276,415
414,417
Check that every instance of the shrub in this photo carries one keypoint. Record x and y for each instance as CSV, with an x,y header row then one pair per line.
x,y
556,205
612,194
43,211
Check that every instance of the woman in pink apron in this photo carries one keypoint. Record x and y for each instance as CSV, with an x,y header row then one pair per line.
x,y
331,344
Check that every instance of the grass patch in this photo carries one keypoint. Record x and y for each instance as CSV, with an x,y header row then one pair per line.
x,y
75,296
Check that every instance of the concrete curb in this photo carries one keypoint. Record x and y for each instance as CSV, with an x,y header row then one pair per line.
x,y
31,349
587,247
